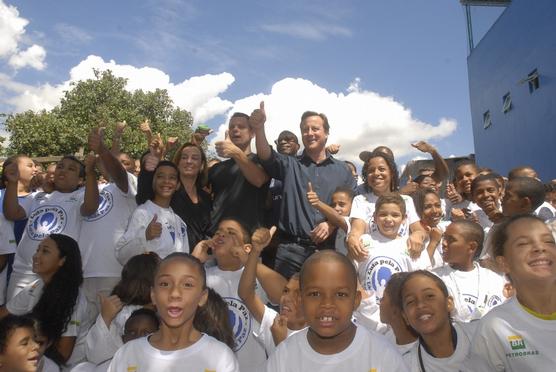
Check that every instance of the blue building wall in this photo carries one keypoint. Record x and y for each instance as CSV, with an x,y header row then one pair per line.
x,y
521,40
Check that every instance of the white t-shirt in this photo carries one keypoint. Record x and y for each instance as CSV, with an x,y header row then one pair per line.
x,y
367,352
101,231
264,334
510,339
546,211
453,362
363,207
474,292
386,257
54,213
47,365
207,354
78,325
402,349
134,241
7,238
249,351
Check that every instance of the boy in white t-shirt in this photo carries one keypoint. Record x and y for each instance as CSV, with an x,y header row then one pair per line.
x,y
386,250
474,289
101,231
332,342
231,241
59,212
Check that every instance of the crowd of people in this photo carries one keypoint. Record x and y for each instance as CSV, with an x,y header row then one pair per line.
x,y
279,260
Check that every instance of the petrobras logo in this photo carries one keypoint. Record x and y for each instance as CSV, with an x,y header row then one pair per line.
x,y
105,204
378,272
240,321
516,342
46,220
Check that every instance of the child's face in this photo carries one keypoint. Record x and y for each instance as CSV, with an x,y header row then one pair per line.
x,y
432,210
456,250
227,237
127,162
289,301
428,183
178,292
529,252
388,219
486,195
165,181
465,174
425,307
341,202
66,175
512,203
379,177
27,168
329,297
137,327
47,260
21,353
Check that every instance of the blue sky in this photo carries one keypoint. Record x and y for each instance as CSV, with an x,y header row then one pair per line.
x,y
411,53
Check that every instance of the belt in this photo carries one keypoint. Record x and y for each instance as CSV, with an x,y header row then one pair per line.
x,y
304,241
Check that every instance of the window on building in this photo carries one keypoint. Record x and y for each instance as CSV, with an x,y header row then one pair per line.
x,y
506,102
487,121
533,80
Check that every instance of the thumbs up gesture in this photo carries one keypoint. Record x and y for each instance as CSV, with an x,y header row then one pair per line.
x,y
154,229
258,117
95,140
226,148
312,196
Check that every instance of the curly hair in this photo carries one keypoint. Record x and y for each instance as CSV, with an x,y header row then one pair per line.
x,y
59,298
394,175
134,288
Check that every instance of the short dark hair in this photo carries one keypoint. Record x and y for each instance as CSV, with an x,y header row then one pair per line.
x,y
327,255
528,187
190,259
239,115
9,324
287,133
394,288
391,198
346,190
81,164
465,162
500,234
243,228
472,232
493,177
394,185
308,114
515,172
439,282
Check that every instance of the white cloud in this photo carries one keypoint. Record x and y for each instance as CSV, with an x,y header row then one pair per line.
x,y
359,120
12,30
307,30
199,95
32,57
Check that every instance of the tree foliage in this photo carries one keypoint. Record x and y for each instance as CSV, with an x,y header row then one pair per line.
x,y
102,101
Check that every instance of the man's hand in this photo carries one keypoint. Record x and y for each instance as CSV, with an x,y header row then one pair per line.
x,y
258,117
312,196
333,148
321,232
226,148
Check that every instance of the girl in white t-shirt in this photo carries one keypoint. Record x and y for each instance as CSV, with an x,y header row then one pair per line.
x,y
519,334
154,227
381,176
19,352
55,299
179,291
442,345
132,292
58,212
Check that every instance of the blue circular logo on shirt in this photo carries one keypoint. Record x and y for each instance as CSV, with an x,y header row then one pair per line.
x,y
105,204
240,321
378,272
46,220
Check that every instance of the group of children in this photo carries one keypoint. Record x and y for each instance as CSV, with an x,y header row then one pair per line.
x,y
416,281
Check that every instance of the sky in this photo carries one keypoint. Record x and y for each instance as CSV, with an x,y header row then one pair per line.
x,y
385,72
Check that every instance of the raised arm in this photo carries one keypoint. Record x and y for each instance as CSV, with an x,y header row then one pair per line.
x,y
256,122
90,200
12,210
117,137
114,168
247,283
253,173
441,170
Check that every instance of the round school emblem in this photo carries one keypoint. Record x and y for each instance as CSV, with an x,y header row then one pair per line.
x,y
46,220
470,301
240,321
494,300
378,272
105,204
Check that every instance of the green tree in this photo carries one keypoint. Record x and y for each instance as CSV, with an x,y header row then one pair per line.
x,y
100,101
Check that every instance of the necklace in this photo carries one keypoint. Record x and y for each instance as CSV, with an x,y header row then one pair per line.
x,y
422,342
460,293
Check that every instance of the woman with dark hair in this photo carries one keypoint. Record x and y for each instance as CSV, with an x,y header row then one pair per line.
x,y
153,226
191,202
55,299
380,175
